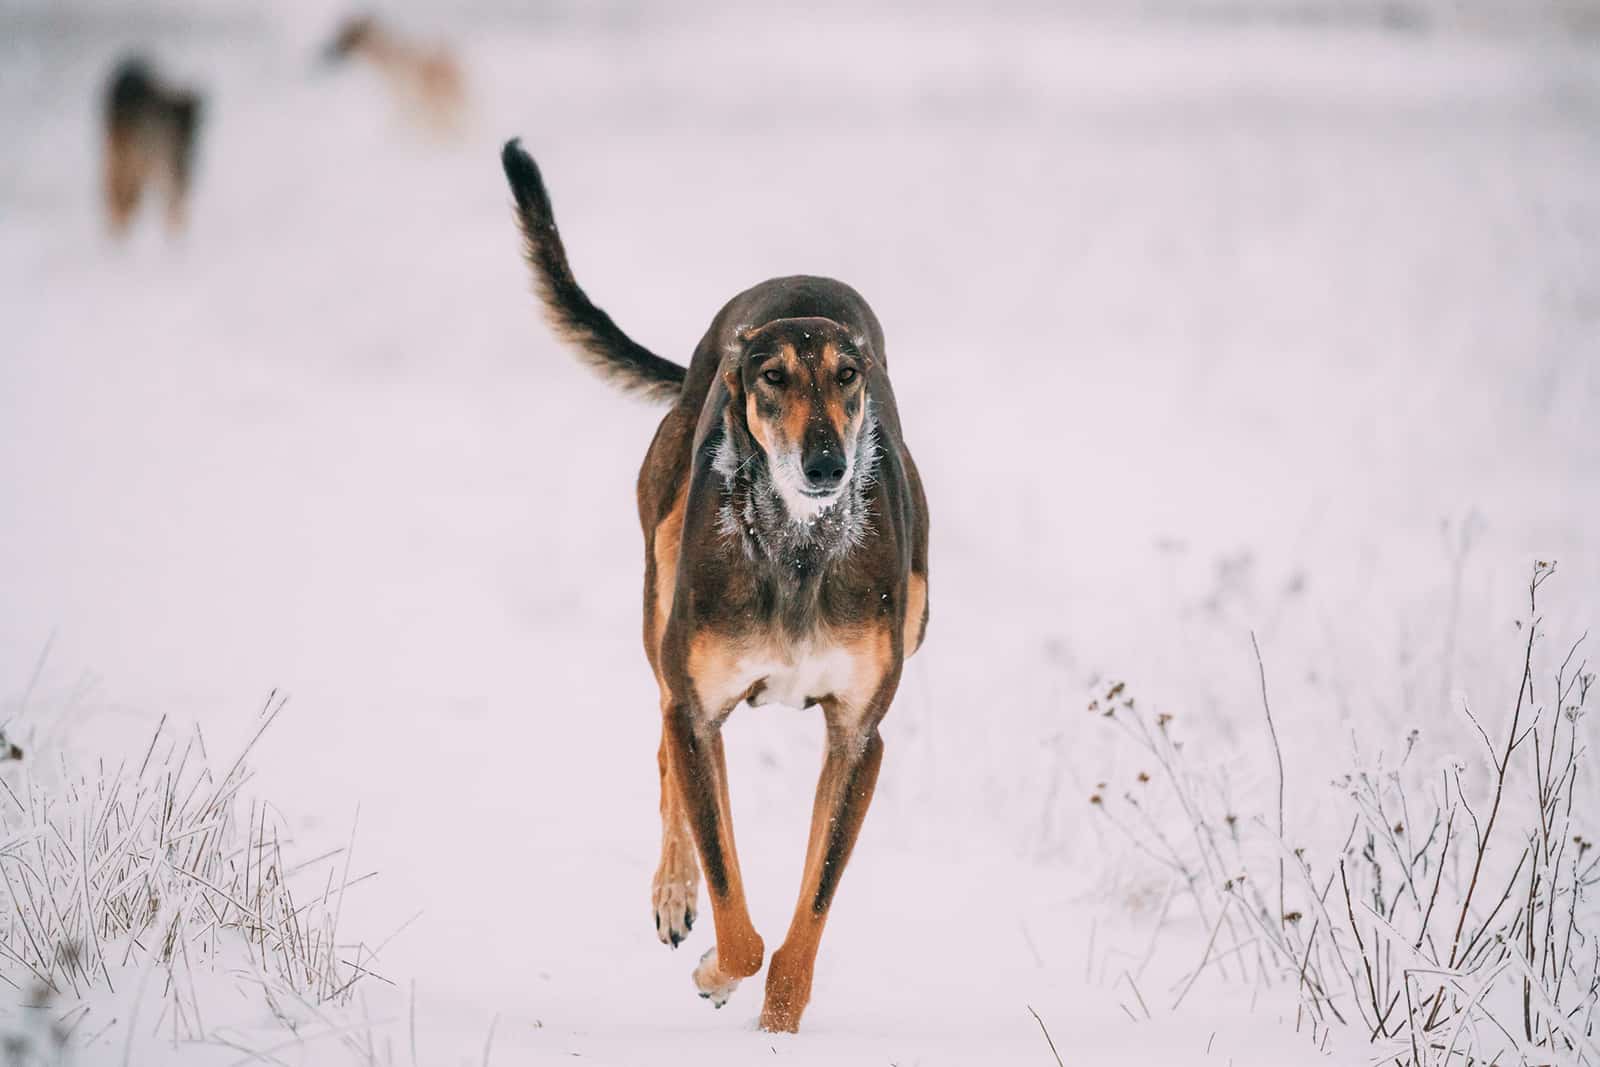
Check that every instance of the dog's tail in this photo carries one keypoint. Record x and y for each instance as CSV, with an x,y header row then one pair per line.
x,y
599,341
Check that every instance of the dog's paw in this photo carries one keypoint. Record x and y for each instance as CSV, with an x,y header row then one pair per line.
x,y
780,1019
673,893
673,903
788,991
711,982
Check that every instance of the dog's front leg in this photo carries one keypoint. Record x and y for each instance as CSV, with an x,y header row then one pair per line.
x,y
676,885
123,180
849,775
701,772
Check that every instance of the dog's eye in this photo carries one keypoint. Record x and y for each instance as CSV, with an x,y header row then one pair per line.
x,y
772,377
847,376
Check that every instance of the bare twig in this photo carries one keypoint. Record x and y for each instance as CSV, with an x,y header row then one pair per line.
x,y
1047,1037
1277,753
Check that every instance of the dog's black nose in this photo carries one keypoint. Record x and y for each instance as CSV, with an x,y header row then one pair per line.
x,y
824,469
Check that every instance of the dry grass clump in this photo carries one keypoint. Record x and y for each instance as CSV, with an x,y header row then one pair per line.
x,y
1457,923
147,881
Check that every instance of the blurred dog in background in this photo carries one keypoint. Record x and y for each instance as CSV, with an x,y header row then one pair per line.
x,y
424,80
150,133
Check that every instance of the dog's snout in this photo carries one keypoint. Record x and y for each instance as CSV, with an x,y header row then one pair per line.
x,y
824,468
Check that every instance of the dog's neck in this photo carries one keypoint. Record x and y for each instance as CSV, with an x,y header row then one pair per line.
x,y
754,516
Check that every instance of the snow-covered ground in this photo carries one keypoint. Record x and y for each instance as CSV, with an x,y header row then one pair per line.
x,y
1199,328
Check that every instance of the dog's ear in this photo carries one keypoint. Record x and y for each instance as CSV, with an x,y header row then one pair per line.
x,y
733,382
733,358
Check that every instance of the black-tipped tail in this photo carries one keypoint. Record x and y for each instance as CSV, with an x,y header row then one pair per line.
x,y
599,341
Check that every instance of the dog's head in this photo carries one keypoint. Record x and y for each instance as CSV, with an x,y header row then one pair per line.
x,y
799,386
355,33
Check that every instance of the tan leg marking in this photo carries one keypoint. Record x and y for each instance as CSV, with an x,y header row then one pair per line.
x,y
844,790
701,771
916,622
675,889
666,545
123,179
718,671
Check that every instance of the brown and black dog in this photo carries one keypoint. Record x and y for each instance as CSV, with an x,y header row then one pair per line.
x,y
424,80
150,134
786,560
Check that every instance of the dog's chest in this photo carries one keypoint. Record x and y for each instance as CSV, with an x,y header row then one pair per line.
x,y
800,676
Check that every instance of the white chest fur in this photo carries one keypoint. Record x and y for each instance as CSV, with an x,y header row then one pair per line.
x,y
847,669
809,673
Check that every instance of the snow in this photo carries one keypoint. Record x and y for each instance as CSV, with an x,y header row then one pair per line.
x,y
1197,329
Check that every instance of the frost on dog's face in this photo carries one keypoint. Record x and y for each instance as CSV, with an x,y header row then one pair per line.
x,y
805,399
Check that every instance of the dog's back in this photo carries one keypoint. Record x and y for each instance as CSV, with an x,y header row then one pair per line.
x,y
150,136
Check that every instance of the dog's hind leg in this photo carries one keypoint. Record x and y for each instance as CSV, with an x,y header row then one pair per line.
x,y
698,766
676,886
849,775
184,131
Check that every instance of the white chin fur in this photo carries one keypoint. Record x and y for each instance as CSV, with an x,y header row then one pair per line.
x,y
802,508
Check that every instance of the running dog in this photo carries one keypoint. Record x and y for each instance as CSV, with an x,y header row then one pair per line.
x,y
150,135
786,561
424,80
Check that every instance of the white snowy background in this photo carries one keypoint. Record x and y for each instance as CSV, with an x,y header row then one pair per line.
x,y
1204,319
